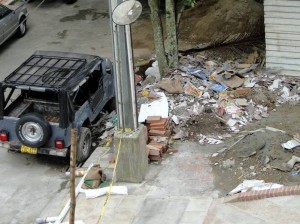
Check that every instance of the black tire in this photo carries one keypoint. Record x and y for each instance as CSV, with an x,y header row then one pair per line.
x,y
84,144
39,128
110,105
70,1
22,29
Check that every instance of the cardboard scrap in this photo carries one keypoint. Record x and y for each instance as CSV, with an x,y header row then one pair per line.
x,y
233,82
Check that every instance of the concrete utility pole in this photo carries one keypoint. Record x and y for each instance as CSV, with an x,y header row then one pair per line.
x,y
133,161
124,74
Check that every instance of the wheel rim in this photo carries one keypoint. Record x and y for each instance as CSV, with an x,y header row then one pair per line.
x,y
86,144
32,131
23,27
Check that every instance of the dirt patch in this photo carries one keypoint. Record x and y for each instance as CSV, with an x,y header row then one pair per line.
x,y
260,155
216,22
206,124
208,23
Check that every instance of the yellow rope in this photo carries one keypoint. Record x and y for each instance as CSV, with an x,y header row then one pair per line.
x,y
111,183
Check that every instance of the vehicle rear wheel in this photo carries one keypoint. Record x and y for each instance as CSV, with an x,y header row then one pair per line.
x,y
22,27
84,144
33,130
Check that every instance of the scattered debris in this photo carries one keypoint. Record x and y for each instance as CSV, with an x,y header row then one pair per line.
x,y
159,131
290,144
212,100
158,107
290,164
171,86
254,185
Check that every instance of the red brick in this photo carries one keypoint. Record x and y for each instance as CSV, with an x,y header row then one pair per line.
x,y
162,123
157,133
154,158
172,150
158,128
154,152
158,144
153,119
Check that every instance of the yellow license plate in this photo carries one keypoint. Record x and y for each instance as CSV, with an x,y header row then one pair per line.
x,y
27,149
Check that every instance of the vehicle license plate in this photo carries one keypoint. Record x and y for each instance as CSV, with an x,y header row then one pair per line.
x,y
27,149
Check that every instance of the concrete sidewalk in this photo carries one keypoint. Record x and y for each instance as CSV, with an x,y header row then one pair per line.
x,y
181,190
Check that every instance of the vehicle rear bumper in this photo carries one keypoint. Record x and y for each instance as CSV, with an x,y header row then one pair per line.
x,y
46,151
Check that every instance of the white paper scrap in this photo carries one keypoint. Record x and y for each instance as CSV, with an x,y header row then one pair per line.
x,y
290,144
175,119
275,84
94,193
231,122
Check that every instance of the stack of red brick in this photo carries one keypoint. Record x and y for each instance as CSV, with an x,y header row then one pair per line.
x,y
159,131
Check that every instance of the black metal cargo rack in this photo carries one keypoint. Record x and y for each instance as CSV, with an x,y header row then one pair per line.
x,y
51,72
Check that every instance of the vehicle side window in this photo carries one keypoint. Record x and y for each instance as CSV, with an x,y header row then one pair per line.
x,y
4,11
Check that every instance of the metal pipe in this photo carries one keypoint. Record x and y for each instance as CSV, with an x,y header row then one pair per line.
x,y
119,101
131,75
65,210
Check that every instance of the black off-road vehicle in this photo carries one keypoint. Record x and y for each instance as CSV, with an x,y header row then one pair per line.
x,y
53,92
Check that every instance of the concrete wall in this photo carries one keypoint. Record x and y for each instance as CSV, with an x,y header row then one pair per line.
x,y
282,27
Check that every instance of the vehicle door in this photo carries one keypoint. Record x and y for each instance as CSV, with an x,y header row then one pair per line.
x,y
108,81
9,22
97,97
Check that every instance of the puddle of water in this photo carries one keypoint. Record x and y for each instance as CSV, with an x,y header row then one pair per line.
x,y
84,14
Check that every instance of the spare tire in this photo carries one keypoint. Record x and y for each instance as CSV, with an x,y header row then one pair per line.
x,y
33,130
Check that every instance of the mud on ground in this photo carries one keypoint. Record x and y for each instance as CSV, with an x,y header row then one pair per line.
x,y
260,155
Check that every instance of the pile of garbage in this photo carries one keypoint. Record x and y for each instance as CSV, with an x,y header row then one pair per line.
x,y
229,94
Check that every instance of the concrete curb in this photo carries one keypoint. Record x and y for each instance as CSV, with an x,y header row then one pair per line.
x,y
257,195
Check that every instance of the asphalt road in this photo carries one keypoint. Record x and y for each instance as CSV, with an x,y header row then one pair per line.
x,y
29,183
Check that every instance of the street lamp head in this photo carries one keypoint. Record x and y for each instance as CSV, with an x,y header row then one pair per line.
x,y
127,12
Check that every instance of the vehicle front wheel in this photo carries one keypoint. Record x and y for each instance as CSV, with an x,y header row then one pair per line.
x,y
84,144
22,27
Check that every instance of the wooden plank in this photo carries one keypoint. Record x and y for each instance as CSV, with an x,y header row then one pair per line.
x,y
285,15
276,8
295,55
282,3
281,21
283,36
281,48
282,28
281,60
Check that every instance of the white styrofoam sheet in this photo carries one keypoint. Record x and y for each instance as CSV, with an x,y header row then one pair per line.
x,y
158,107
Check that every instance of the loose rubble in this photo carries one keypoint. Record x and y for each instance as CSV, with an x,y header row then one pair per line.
x,y
210,102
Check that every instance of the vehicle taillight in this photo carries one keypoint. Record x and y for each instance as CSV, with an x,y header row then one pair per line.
x,y
59,144
3,136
